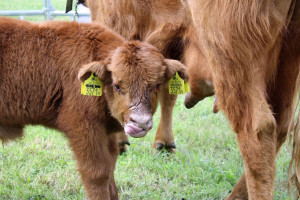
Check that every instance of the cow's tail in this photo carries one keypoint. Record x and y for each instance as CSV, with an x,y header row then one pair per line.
x,y
294,167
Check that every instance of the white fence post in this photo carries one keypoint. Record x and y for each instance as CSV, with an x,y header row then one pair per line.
x,y
48,11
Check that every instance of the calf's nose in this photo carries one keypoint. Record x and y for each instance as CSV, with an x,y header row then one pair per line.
x,y
142,120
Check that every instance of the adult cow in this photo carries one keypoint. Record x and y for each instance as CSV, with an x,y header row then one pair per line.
x,y
40,65
253,49
167,25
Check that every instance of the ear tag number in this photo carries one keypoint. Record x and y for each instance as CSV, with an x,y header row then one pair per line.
x,y
177,85
92,86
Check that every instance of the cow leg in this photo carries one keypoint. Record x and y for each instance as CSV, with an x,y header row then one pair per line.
x,y
258,149
96,154
162,39
164,137
283,118
244,102
251,117
283,107
281,98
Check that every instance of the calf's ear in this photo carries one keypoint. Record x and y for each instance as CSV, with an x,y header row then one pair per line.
x,y
98,68
173,66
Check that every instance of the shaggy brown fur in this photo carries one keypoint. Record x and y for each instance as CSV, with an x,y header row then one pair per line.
x,y
294,168
154,21
253,50
40,65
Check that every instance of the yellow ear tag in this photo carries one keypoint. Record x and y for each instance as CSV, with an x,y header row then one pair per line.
x,y
177,85
92,86
187,87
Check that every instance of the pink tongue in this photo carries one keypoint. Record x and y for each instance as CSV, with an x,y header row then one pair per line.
x,y
131,129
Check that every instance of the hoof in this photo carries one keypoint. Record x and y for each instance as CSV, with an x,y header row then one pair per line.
x,y
159,146
170,147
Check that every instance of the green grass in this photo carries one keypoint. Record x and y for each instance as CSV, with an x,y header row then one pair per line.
x,y
206,165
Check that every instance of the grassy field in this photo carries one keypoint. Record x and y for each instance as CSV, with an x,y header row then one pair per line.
x,y
206,165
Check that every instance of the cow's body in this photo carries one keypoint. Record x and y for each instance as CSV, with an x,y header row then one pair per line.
x,y
167,25
39,69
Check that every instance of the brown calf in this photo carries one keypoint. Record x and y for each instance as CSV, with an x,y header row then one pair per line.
x,y
40,65
253,49
167,25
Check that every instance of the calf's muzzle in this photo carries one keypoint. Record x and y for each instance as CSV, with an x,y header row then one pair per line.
x,y
138,125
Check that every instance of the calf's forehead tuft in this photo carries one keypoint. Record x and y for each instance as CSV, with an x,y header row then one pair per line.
x,y
137,54
137,62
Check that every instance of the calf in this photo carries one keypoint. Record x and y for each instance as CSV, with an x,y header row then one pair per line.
x,y
40,65
167,25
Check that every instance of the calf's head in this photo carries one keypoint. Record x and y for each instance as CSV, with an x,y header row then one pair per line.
x,y
131,78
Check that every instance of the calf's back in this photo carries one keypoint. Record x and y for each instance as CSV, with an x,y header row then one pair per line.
x,y
39,64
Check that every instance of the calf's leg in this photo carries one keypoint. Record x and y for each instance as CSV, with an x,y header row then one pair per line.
x,y
10,132
239,191
96,154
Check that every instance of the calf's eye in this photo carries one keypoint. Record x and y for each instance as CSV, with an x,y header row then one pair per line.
x,y
157,86
116,87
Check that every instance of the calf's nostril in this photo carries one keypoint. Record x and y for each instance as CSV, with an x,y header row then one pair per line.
x,y
132,120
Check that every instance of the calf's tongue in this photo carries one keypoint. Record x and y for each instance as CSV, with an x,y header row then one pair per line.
x,y
131,129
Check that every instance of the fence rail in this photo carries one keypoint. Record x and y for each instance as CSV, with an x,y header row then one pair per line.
x,y
48,11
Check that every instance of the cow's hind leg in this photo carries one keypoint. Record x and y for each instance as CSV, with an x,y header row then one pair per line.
x,y
10,132
283,108
245,104
164,135
256,128
258,149
96,154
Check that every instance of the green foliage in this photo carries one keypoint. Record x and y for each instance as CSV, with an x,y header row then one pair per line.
x,y
206,165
